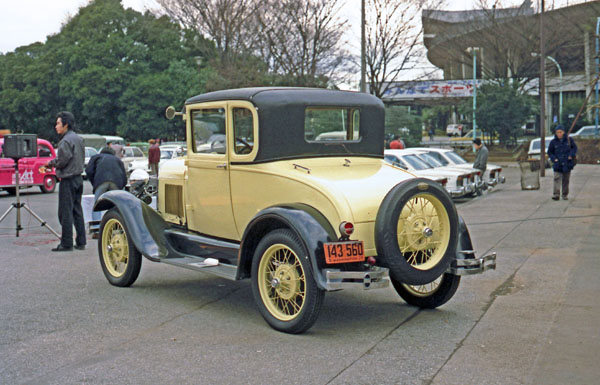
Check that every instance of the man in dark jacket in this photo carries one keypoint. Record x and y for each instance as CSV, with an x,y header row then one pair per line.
x,y
481,159
105,172
69,163
561,151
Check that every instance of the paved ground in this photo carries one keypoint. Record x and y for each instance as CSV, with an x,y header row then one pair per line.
x,y
535,320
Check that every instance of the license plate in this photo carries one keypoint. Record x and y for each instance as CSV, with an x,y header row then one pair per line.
x,y
343,252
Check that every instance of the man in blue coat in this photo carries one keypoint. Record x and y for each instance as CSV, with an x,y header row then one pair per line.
x,y
562,151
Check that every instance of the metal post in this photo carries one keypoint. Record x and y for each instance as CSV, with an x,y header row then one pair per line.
x,y
473,51
363,69
597,68
542,94
560,95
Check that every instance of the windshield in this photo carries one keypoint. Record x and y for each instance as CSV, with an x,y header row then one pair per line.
x,y
166,154
415,162
430,160
454,157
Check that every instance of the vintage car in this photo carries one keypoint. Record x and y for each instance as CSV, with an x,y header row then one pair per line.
x,y
296,215
29,170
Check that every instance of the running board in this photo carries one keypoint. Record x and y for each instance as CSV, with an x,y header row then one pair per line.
x,y
197,263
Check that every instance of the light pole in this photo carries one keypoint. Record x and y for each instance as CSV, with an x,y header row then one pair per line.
x,y
473,51
363,65
560,78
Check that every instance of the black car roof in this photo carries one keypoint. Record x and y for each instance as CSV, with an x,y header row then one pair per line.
x,y
281,113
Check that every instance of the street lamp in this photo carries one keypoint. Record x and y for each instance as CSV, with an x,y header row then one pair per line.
x,y
560,78
473,51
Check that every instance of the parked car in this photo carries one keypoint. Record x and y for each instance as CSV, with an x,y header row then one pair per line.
x,y
132,153
459,182
166,153
454,129
450,158
585,132
29,170
144,146
298,217
89,152
534,149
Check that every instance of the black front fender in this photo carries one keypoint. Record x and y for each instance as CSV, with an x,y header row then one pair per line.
x,y
309,224
464,240
144,225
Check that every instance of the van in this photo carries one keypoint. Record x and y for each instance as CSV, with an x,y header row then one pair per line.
x,y
111,139
454,130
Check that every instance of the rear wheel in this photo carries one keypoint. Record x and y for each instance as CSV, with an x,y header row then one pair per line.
x,y
416,231
283,284
429,295
49,184
120,260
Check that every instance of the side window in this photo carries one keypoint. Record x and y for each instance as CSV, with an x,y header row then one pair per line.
x,y
243,130
208,129
137,152
129,152
44,151
331,124
439,158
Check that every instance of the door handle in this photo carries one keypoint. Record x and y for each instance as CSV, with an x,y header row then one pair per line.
x,y
223,166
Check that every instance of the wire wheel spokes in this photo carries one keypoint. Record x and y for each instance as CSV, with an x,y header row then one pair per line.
x,y
426,289
282,282
115,248
423,231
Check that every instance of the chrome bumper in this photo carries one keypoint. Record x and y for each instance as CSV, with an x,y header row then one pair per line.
x,y
375,278
472,265
457,192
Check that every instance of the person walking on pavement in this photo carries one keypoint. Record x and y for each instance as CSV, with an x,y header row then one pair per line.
x,y
69,164
480,160
117,148
105,172
153,157
561,151
431,133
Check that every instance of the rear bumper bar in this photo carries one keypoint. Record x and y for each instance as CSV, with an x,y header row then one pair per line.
x,y
471,266
374,278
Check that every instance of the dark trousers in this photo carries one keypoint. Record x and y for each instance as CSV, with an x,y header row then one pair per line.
x,y
70,212
561,179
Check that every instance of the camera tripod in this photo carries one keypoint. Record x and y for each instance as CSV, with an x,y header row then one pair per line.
x,y
18,205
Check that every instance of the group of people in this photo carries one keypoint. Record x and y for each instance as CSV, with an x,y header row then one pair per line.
x,y
106,172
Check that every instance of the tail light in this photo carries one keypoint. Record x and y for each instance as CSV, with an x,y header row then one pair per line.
x,y
443,181
346,229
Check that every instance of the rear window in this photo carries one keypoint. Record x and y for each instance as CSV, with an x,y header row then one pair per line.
x,y
415,162
332,124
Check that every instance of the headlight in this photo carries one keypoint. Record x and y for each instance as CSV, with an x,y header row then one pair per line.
x,y
139,175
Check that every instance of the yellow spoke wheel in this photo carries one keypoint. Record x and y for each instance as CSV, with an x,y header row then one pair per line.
x,y
120,260
282,282
423,231
416,231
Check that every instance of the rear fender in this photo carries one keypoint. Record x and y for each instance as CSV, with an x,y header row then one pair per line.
x,y
464,240
310,225
144,225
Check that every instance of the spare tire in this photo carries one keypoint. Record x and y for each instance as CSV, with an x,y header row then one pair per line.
x,y
416,231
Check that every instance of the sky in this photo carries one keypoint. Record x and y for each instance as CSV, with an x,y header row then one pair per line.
x,y
23,22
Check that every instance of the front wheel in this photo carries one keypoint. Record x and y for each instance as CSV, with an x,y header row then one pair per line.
x,y
49,184
283,284
120,260
430,295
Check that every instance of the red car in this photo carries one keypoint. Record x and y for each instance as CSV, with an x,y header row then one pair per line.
x,y
29,169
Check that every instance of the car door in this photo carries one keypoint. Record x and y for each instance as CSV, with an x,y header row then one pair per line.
x,y
207,188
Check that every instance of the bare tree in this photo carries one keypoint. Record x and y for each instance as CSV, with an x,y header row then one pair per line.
x,y
231,24
393,39
304,40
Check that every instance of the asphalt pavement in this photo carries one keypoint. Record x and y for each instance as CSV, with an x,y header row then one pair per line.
x,y
534,320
